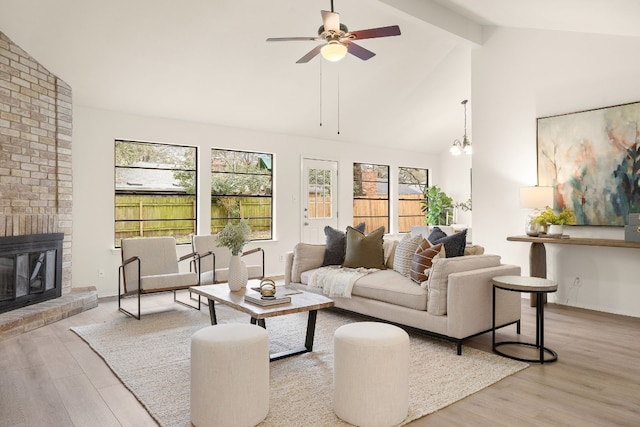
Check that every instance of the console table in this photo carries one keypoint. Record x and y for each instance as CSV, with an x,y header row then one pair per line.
x,y
538,253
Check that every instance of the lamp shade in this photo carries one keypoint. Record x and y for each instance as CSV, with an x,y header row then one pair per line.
x,y
333,51
536,197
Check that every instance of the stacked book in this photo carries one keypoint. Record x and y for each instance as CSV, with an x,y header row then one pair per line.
x,y
256,298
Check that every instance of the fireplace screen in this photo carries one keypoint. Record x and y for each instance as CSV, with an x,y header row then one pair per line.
x,y
32,273
29,274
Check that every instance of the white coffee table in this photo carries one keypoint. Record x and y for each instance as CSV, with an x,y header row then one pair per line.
x,y
300,302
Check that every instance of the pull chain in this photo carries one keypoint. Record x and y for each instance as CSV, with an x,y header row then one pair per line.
x,y
338,102
320,97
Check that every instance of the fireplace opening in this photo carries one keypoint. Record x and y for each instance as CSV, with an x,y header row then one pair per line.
x,y
30,269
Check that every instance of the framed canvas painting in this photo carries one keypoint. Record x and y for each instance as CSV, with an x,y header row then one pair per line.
x,y
592,161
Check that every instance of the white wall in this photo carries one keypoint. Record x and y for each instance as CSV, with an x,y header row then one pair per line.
x,y
517,76
455,180
94,132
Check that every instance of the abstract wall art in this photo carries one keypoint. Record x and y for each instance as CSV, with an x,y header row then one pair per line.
x,y
592,160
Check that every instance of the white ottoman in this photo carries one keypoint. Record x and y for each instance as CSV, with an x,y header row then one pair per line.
x,y
371,374
229,375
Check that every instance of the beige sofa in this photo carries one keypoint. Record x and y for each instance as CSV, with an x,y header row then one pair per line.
x,y
454,303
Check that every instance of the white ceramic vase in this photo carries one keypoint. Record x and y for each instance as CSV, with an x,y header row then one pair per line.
x,y
238,275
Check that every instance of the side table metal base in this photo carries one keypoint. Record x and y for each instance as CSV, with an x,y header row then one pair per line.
x,y
538,287
553,358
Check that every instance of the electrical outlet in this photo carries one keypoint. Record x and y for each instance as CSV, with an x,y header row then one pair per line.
x,y
281,258
577,281
101,273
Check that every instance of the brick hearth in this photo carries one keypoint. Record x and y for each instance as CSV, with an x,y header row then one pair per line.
x,y
25,319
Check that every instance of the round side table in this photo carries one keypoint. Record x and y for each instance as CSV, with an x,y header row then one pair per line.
x,y
536,286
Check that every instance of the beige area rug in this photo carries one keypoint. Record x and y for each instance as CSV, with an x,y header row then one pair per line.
x,y
151,357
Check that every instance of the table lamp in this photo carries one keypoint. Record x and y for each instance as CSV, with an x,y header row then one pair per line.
x,y
535,198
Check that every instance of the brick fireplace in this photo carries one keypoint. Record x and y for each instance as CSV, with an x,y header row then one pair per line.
x,y
35,153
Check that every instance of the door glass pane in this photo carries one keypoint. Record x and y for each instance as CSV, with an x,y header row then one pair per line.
x,y
319,181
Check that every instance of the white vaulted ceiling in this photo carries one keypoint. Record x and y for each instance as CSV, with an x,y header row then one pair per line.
x,y
208,61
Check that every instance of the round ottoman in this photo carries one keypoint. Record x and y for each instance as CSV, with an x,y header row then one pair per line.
x,y
229,375
371,374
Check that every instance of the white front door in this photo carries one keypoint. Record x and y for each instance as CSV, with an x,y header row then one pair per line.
x,y
319,198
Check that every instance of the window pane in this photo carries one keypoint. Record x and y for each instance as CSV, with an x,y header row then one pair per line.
x,y
155,188
411,185
242,187
319,193
371,196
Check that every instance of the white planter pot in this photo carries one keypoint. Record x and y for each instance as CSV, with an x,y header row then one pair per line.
x,y
238,274
554,229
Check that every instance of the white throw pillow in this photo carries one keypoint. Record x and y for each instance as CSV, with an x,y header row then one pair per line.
x,y
404,253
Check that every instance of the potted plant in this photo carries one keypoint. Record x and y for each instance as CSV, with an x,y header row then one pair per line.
x,y
234,237
437,206
554,221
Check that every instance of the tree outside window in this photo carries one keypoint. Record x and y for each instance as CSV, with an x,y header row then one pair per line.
x,y
242,187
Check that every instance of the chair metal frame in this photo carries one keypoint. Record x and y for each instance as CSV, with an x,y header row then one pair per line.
x,y
139,291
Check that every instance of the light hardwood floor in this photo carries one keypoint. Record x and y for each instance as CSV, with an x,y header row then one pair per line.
x,y
50,377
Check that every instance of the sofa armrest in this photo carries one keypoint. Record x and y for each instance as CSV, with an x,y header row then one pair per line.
x,y
288,265
470,303
306,256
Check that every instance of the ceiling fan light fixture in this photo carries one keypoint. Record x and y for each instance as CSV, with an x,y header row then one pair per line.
x,y
333,51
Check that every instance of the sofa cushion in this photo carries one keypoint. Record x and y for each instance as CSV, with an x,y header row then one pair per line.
x,y
438,281
473,250
364,250
389,286
404,253
337,244
306,257
389,250
422,259
453,245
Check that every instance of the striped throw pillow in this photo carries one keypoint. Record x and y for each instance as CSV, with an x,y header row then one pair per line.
x,y
422,259
404,253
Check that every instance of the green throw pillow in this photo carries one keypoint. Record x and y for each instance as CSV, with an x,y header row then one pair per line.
x,y
364,250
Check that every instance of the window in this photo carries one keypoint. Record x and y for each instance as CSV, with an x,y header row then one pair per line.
x,y
155,190
242,187
411,185
371,196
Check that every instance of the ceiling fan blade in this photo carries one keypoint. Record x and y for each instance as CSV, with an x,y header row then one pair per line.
x,y
359,51
287,39
372,33
309,56
331,21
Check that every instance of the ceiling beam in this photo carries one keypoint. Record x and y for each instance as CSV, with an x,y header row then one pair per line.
x,y
433,13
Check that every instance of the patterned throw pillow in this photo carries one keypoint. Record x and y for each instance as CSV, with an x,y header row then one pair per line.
x,y
422,259
336,245
364,250
453,245
404,253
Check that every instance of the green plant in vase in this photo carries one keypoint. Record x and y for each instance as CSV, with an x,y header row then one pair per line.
x,y
234,236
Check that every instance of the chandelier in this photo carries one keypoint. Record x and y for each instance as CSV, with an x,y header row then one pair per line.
x,y
465,146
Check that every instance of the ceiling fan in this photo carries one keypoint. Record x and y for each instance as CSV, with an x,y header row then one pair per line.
x,y
338,39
